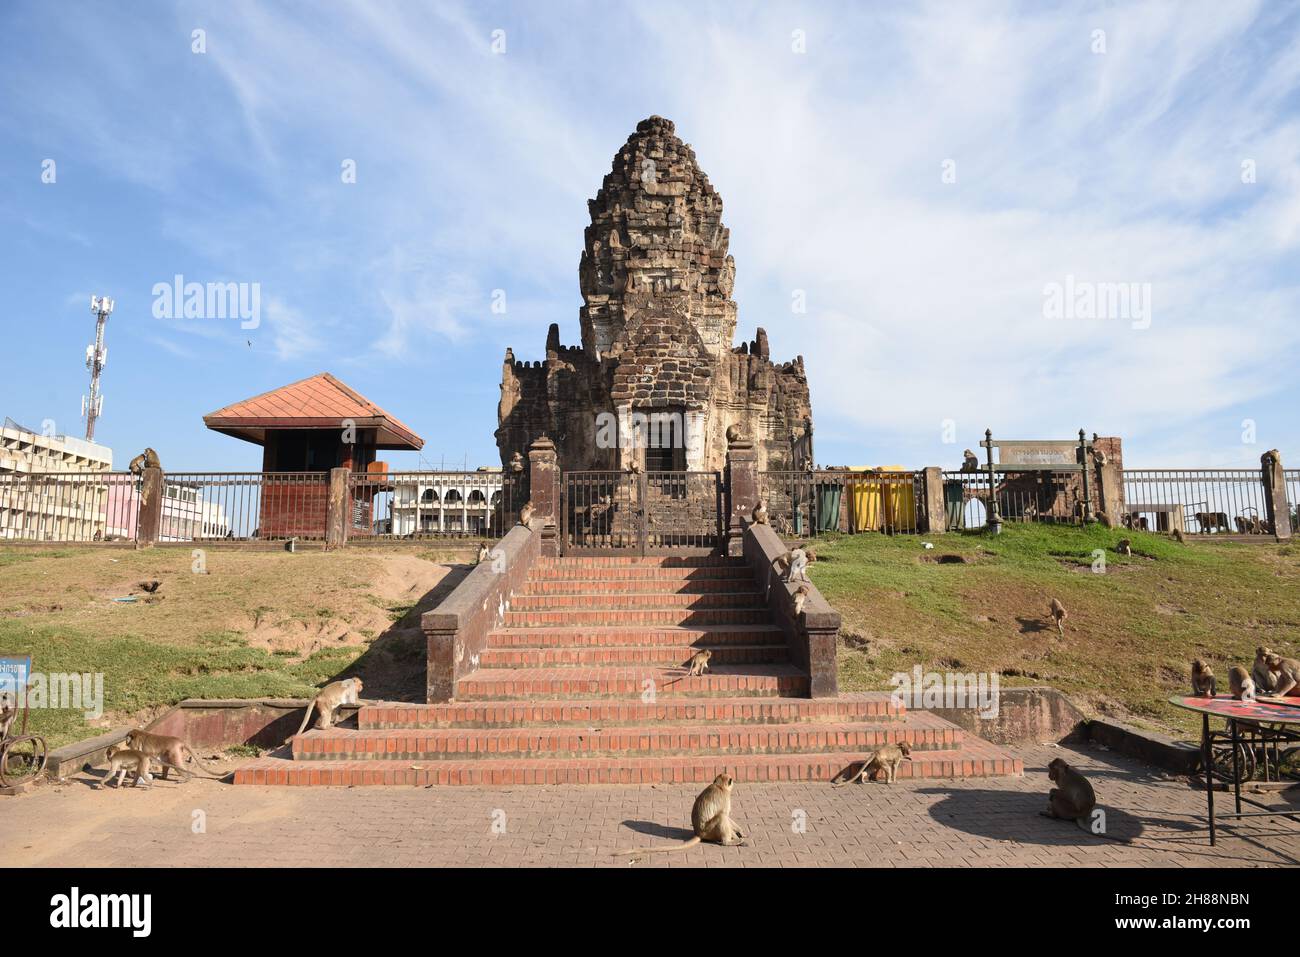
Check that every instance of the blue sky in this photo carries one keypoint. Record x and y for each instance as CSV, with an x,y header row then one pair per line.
x,y
1105,142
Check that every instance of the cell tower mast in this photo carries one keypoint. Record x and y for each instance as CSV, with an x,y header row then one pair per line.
x,y
96,359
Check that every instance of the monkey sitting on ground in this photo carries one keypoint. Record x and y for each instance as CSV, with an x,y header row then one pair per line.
x,y
1240,684
1056,611
1125,547
1203,685
759,514
1265,680
886,759
695,665
1178,536
333,696
1287,673
1074,799
710,820
800,599
526,515
148,459
170,751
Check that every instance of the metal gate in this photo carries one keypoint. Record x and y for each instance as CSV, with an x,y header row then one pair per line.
x,y
651,513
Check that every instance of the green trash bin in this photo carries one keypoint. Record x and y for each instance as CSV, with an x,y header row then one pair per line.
x,y
828,506
954,506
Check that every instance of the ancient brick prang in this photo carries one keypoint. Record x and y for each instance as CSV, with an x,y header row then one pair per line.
x,y
657,328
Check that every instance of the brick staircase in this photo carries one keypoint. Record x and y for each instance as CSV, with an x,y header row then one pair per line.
x,y
558,697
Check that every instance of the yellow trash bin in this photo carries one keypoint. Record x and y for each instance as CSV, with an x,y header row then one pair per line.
x,y
899,499
866,502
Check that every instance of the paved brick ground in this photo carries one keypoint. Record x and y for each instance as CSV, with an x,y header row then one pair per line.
x,y
944,823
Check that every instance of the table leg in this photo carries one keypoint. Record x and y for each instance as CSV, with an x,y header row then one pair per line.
x,y
1207,768
1236,764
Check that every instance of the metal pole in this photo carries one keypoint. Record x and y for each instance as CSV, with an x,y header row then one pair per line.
x,y
1207,768
993,506
1083,463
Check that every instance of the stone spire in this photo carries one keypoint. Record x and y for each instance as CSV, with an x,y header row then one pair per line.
x,y
656,244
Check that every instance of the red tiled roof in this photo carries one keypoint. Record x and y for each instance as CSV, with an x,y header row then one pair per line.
x,y
317,402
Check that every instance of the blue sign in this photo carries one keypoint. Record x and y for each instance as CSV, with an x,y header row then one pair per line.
x,y
15,673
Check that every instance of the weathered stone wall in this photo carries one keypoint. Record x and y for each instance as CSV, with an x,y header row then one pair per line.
x,y
657,326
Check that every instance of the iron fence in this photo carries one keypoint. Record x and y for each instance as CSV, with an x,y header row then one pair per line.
x,y
1052,496
417,505
243,506
67,506
1196,501
810,504
1291,479
649,512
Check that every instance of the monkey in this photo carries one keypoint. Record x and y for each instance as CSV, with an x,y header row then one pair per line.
x,y
517,462
151,586
812,555
759,514
1125,547
170,750
1056,611
710,820
795,563
526,515
1287,671
1074,800
733,434
1264,679
969,462
1212,521
800,599
331,697
8,712
122,760
886,759
1243,524
634,467
695,666
1178,536
1203,685
1240,683
483,553
148,459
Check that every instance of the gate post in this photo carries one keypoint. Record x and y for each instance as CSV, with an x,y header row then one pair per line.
x,y
150,518
336,509
936,508
743,492
544,483
1275,501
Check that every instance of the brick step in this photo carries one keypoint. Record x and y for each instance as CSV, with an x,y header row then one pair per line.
x,y
637,561
923,732
600,615
620,600
558,573
640,585
612,655
975,759
848,708
710,636
725,681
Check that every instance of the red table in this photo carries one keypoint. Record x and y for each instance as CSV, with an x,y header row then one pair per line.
x,y
1259,716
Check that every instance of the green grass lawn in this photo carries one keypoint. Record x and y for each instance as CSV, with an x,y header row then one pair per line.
x,y
1132,630
258,624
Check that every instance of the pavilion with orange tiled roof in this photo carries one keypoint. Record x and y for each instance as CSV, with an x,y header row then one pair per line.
x,y
311,426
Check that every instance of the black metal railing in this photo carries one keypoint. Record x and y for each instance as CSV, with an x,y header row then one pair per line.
x,y
392,506
1196,501
68,506
1052,496
809,504
243,506
611,511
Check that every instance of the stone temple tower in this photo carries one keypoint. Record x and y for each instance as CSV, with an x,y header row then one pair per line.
x,y
657,325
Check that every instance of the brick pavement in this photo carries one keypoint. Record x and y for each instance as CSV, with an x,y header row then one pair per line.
x,y
925,823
